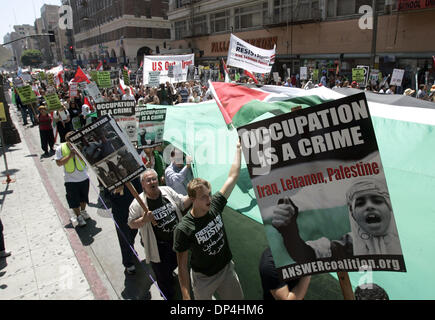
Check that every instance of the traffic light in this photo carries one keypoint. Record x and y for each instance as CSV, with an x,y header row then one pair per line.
x,y
51,36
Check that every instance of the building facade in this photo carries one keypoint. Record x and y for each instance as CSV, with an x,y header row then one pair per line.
x,y
119,31
321,34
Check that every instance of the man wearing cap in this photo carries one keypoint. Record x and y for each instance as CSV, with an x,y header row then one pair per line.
x,y
373,229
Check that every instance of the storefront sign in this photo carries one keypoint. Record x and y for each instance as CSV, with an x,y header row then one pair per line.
x,y
415,4
265,43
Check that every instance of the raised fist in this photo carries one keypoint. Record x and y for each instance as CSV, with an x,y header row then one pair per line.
x,y
284,213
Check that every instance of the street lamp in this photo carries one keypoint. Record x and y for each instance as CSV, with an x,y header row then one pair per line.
x,y
100,45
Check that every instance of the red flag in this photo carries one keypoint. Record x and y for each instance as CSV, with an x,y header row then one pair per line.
x,y
250,75
231,97
80,76
100,66
86,101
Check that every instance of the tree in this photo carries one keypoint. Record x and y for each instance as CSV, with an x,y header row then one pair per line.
x,y
31,58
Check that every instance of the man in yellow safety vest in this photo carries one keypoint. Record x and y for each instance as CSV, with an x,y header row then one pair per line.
x,y
76,180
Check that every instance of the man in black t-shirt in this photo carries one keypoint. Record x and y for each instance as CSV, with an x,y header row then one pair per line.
x,y
202,232
276,289
156,227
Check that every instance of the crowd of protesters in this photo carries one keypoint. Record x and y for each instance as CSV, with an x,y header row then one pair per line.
x,y
179,203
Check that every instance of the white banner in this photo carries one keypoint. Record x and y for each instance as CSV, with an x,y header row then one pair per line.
x,y
243,55
397,77
162,63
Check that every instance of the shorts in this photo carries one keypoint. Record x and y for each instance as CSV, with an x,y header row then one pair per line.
x,y
76,193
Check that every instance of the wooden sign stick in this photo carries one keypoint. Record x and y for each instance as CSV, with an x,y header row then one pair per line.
x,y
346,287
136,196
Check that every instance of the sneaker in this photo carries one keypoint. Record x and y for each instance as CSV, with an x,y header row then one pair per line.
x,y
85,215
73,220
130,270
81,221
5,254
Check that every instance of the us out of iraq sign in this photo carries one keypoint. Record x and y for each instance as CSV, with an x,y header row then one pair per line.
x,y
124,114
151,127
108,152
321,190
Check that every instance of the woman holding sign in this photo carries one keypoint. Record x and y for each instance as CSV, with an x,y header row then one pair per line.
x,y
45,131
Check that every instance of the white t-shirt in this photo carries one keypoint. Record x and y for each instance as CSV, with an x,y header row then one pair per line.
x,y
76,176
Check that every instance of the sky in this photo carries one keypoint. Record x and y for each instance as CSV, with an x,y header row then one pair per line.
x,y
16,12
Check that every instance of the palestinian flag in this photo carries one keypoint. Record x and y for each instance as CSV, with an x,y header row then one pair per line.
x,y
80,76
405,131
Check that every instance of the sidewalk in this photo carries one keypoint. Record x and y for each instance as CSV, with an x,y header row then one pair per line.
x,y
43,264
50,258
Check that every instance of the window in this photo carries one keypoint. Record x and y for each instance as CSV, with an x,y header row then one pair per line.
x,y
220,22
248,17
180,28
345,7
292,10
200,25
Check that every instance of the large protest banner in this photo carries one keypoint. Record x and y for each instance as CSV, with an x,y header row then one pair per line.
x,y
321,189
243,55
53,102
151,127
108,152
26,94
124,115
162,63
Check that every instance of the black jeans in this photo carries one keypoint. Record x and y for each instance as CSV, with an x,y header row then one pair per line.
x,y
164,269
128,257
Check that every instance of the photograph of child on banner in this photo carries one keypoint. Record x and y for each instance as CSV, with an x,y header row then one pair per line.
x,y
373,230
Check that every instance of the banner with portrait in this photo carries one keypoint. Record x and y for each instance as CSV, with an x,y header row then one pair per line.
x,y
151,127
124,114
321,189
108,152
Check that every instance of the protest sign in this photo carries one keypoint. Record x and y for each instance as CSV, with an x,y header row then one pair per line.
x,y
162,63
2,113
124,114
358,75
196,76
108,152
104,79
26,94
170,71
366,74
316,75
304,73
73,90
151,127
50,79
26,77
126,77
94,75
374,76
321,190
397,77
243,55
91,89
42,76
154,79
53,102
